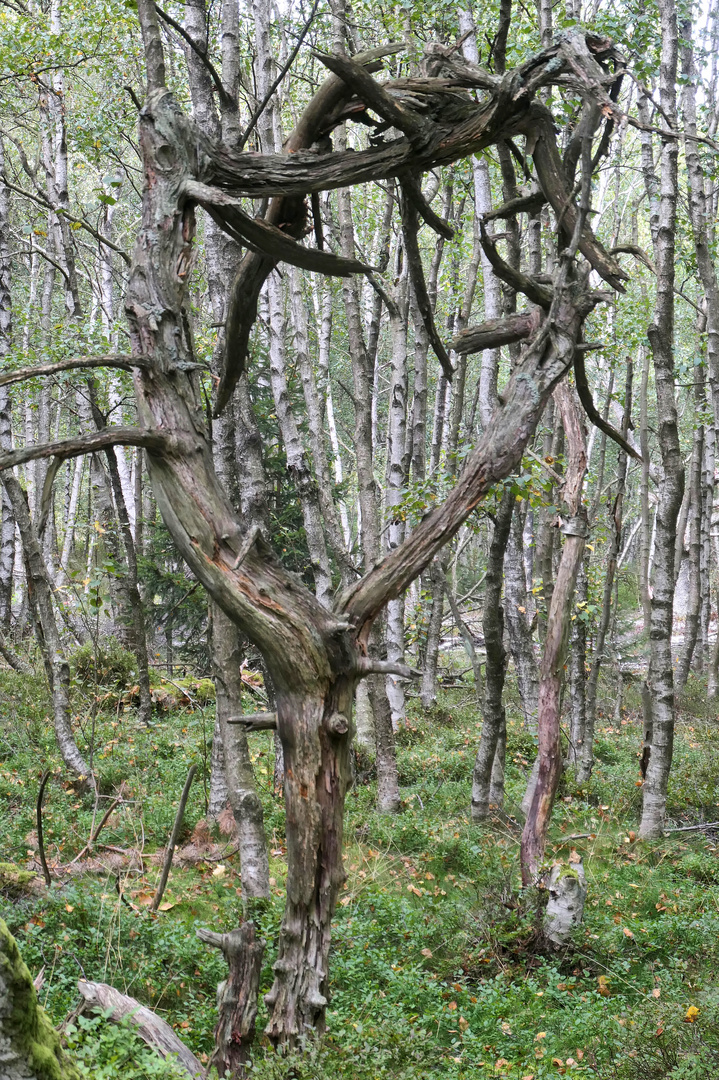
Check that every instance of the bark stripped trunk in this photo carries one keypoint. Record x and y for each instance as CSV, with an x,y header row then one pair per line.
x,y
587,756
534,835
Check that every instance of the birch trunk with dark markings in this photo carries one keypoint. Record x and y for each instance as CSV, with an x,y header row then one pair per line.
x,y
660,678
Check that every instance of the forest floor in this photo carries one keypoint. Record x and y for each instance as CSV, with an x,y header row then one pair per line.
x,y
436,966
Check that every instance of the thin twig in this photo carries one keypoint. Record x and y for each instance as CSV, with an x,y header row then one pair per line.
x,y
40,838
174,836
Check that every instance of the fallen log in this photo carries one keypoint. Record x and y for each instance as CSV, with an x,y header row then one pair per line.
x,y
99,997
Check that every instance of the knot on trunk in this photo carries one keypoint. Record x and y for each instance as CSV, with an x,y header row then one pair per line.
x,y
337,724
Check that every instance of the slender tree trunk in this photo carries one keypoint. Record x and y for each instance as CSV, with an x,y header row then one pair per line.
x,y
671,489
516,607
615,542
56,665
494,720
534,835
691,620
7,525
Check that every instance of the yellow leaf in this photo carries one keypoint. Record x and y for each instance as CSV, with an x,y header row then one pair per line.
x,y
540,1035
69,907
219,871
603,985
345,901
691,1014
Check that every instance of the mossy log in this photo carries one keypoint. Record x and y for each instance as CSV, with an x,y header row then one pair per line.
x,y
30,1048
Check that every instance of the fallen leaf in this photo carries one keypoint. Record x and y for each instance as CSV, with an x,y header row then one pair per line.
x,y
540,1035
691,1014
463,1024
627,932
166,906
656,992
427,953
219,871
452,1006
603,985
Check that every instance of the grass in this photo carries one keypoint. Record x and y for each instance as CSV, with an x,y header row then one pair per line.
x,y
435,966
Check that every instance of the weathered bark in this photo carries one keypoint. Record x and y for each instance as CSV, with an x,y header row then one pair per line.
x,y
494,719
645,542
241,788
615,540
315,656
549,773
236,997
30,1048
7,525
152,1029
578,673
661,338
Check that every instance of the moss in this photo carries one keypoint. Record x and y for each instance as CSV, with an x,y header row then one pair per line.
x,y
25,1023
13,880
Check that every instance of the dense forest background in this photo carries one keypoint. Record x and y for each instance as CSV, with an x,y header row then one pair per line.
x,y
538,716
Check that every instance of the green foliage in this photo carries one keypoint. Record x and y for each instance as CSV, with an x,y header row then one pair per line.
x,y
105,665
106,1051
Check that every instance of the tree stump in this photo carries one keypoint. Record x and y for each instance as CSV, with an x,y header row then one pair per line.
x,y
567,894
236,997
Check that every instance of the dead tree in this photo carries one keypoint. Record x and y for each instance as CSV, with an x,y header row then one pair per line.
x,y
317,656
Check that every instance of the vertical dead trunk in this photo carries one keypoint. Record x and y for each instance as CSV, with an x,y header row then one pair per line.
x,y
587,757
671,487
534,835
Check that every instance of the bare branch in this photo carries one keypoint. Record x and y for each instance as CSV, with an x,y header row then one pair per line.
x,y
369,666
413,190
265,238
179,28
155,441
414,261
60,210
496,332
259,721
285,68
538,294
113,360
585,396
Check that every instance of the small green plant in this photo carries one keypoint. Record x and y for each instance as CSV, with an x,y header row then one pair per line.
x,y
107,1051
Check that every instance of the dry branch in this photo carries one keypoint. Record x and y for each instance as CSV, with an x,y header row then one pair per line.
x,y
89,444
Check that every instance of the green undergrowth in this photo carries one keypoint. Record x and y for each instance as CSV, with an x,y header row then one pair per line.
x,y
437,968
